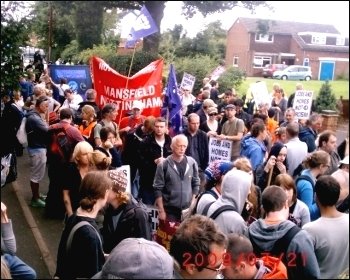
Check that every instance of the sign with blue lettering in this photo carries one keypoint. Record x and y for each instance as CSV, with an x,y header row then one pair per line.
x,y
78,76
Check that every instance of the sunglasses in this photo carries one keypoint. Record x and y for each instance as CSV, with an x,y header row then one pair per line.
x,y
217,270
213,114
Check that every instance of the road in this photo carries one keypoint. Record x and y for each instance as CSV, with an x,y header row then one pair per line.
x,y
38,237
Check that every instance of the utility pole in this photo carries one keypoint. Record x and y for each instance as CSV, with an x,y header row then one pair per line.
x,y
50,31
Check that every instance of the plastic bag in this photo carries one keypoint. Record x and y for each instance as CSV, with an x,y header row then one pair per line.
x,y
22,134
5,168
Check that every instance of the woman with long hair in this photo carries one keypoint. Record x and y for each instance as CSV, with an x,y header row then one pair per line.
x,y
80,254
275,163
298,211
86,129
316,164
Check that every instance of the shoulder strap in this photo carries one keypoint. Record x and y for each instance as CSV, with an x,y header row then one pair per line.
x,y
282,244
212,193
221,209
74,229
305,177
206,208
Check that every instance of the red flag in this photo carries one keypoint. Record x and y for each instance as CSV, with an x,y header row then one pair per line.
x,y
145,85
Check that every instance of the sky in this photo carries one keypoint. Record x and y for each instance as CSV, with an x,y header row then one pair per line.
x,y
326,12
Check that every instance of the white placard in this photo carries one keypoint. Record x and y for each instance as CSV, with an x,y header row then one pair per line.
x,y
302,104
260,93
217,72
126,169
187,81
219,149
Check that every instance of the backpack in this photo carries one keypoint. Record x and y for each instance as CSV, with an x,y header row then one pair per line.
x,y
280,247
221,209
198,197
60,146
138,205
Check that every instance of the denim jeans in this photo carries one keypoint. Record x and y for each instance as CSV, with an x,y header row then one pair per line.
x,y
19,269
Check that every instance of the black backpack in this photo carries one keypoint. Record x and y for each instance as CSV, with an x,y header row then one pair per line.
x,y
199,196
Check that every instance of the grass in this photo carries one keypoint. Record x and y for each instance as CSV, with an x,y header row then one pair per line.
x,y
339,88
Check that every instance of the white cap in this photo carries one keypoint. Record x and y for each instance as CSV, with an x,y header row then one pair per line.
x,y
137,104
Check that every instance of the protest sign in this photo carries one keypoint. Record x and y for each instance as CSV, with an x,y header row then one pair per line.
x,y
260,93
217,72
187,81
302,104
219,149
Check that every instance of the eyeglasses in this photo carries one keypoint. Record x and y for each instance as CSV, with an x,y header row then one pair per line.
x,y
217,270
213,114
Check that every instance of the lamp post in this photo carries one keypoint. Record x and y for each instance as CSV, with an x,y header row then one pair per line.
x,y
50,31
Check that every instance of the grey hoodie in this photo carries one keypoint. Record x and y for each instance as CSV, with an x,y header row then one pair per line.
x,y
234,191
300,247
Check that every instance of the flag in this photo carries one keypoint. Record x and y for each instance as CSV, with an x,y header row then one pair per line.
x,y
144,26
172,104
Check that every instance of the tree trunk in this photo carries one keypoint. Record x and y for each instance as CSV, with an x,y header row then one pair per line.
x,y
156,10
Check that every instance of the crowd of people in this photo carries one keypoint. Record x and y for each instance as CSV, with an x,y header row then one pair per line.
x,y
276,208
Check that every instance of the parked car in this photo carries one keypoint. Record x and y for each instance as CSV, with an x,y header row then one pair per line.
x,y
294,72
270,68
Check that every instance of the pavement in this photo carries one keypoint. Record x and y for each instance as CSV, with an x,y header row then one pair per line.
x,y
37,236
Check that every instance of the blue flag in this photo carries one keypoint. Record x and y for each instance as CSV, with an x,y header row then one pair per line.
x,y
172,103
144,25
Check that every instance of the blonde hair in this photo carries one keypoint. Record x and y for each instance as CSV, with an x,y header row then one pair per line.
x,y
89,111
81,148
243,164
100,160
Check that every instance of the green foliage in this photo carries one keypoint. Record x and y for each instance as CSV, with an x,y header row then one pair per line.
x,y
88,23
13,33
121,63
199,66
71,51
231,78
326,99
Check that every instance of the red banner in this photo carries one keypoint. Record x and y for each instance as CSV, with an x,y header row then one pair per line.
x,y
112,87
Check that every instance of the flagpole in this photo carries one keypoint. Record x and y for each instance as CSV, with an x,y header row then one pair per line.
x,y
127,80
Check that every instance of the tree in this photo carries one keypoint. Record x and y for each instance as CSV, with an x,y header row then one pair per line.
x,y
190,8
326,100
13,35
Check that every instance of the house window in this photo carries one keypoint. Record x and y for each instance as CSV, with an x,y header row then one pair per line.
x,y
318,39
235,61
263,37
340,41
261,61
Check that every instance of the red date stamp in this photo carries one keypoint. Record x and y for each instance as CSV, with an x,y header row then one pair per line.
x,y
292,259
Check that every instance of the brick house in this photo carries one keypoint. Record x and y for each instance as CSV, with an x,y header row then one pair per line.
x,y
294,43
